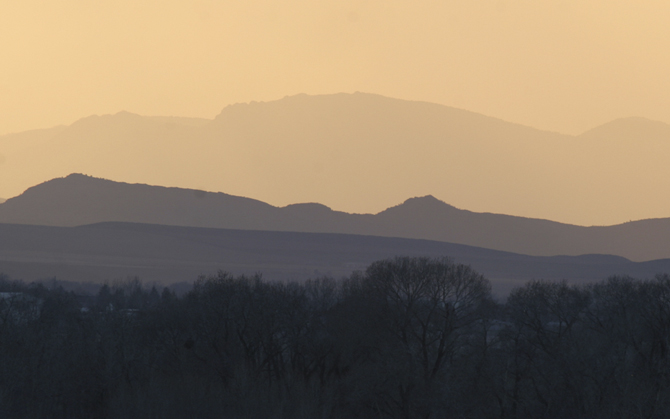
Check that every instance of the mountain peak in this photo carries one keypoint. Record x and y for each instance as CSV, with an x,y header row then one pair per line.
x,y
78,176
421,205
427,200
64,186
75,177
299,101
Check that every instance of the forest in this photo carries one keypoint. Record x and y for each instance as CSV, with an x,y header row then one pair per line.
x,y
406,338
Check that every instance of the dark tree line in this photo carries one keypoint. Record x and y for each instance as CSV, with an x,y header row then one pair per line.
x,y
407,338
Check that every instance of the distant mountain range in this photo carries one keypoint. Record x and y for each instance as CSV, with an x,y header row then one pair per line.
x,y
168,254
363,153
78,200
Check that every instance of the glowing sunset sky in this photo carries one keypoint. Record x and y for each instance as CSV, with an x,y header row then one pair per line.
x,y
565,66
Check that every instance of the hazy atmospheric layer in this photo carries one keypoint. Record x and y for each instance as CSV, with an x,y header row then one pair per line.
x,y
560,65
363,153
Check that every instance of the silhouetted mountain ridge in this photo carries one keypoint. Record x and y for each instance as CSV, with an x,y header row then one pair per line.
x,y
167,254
79,200
364,153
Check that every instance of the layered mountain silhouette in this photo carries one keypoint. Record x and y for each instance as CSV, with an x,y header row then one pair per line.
x,y
363,153
167,254
79,200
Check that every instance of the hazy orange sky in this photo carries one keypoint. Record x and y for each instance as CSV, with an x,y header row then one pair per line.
x,y
564,65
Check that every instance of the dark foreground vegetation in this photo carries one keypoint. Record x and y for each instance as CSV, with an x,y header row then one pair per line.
x,y
408,338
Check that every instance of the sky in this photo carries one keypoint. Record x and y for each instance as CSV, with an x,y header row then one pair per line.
x,y
558,65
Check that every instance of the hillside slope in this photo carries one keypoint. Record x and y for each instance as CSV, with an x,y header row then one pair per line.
x,y
168,254
78,200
